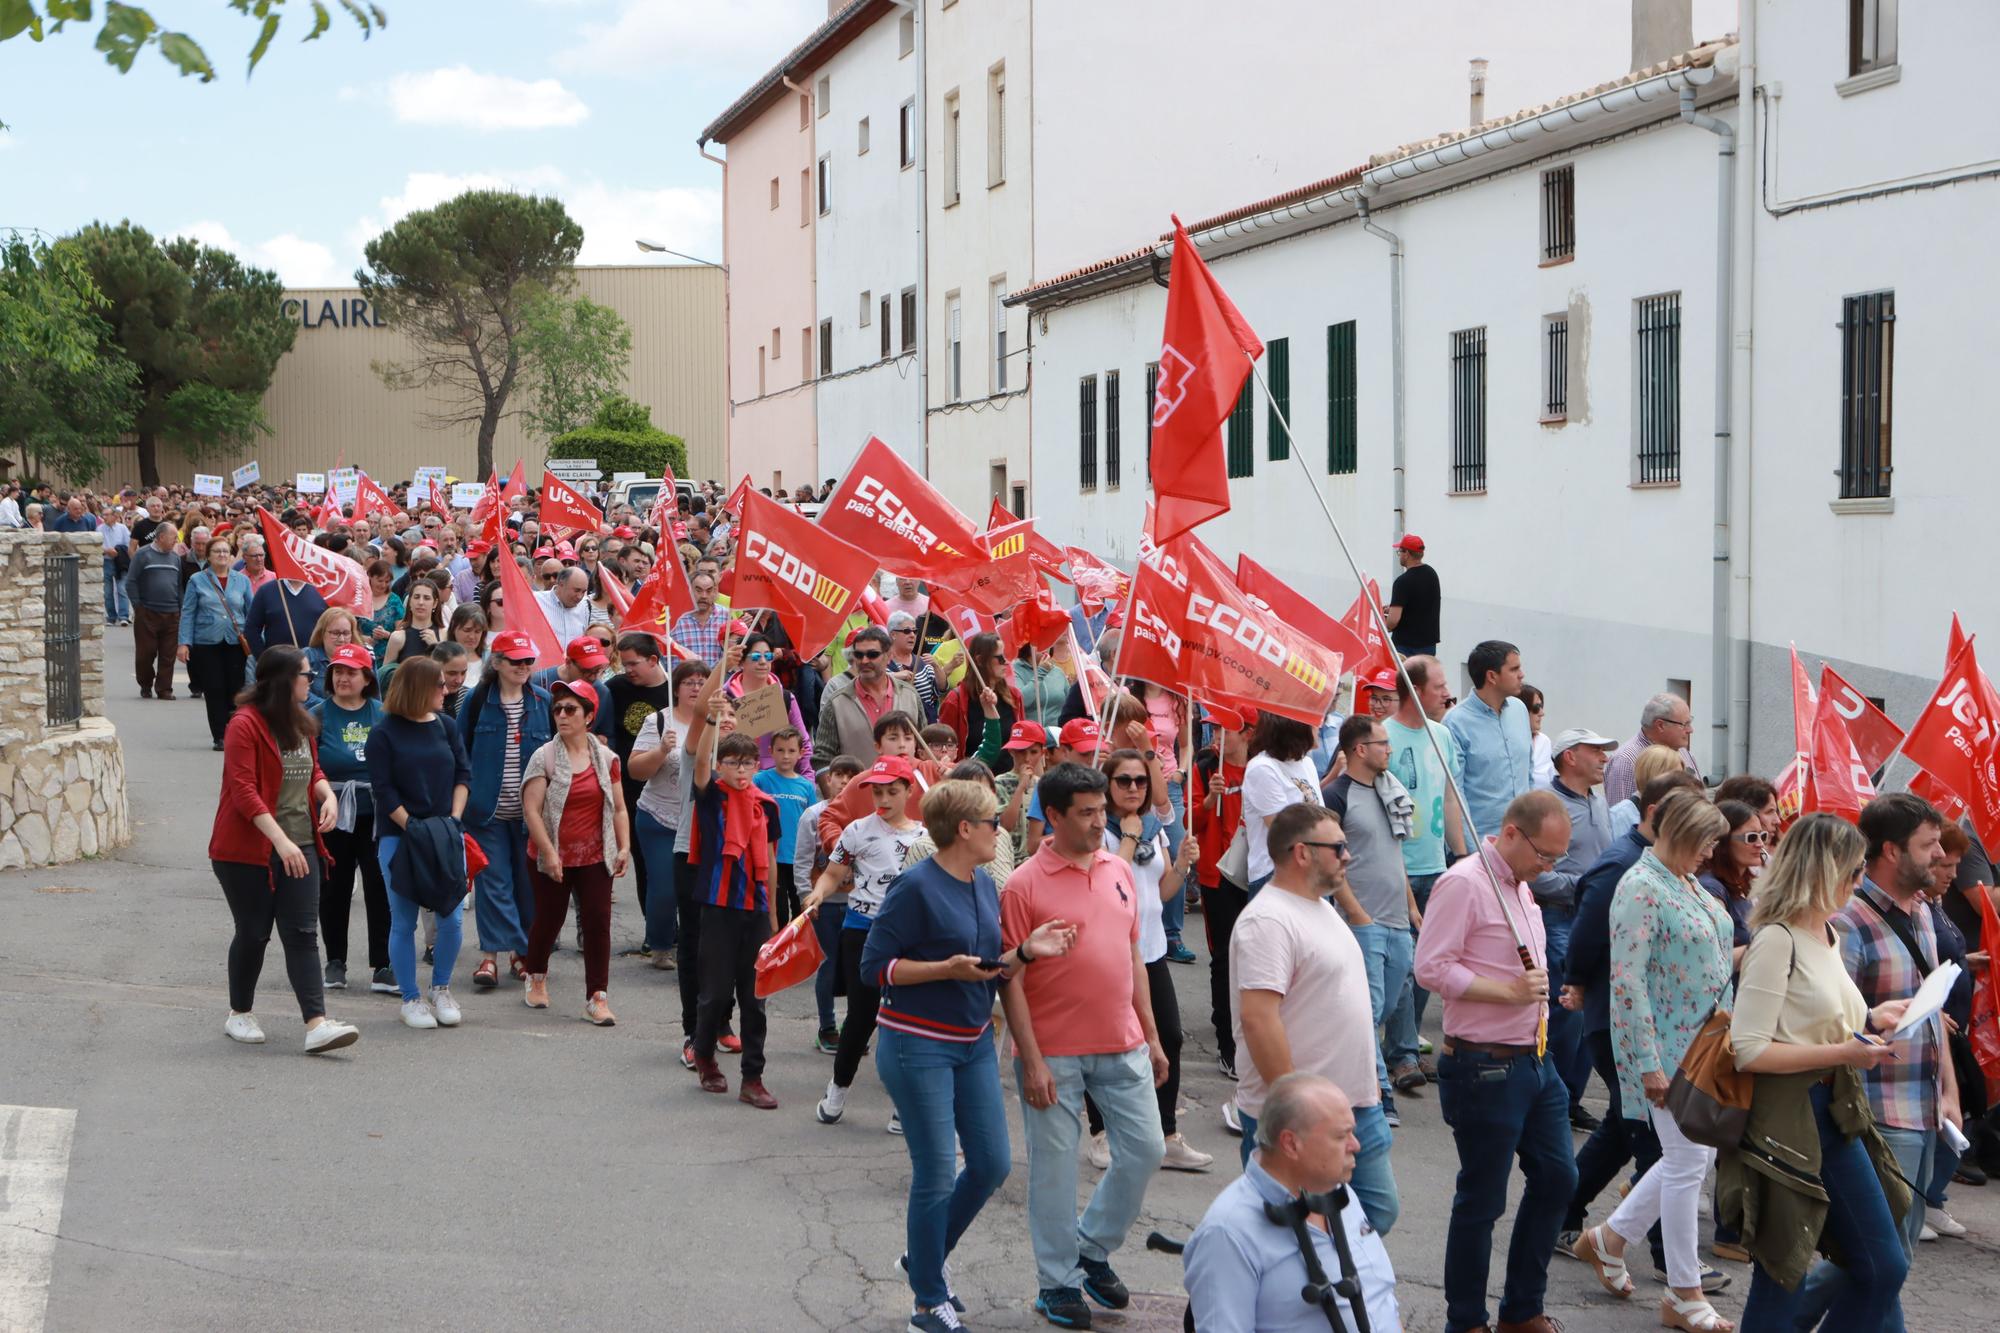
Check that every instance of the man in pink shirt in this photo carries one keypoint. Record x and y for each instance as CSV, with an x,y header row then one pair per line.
x,y
1499,1093
1082,1023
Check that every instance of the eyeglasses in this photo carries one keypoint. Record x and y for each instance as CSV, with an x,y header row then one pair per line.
x,y
904,629
1131,779
865,657
1339,849
992,822
1757,838
1545,858
759,657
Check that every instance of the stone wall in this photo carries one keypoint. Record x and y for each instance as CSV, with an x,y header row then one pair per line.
x,y
62,789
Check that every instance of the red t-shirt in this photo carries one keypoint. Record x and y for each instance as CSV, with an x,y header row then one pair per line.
x,y
580,839
1215,831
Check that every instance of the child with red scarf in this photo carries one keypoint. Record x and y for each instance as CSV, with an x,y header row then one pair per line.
x,y
732,854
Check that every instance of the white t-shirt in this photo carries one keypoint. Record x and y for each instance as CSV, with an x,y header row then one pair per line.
x,y
1269,785
661,796
1147,877
1300,948
875,851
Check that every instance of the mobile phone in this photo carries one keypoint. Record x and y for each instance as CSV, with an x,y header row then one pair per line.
x,y
992,964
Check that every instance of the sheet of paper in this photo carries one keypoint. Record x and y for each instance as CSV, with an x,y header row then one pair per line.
x,y
1929,997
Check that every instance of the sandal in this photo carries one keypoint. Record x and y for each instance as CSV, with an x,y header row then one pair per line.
x,y
519,968
1697,1315
1612,1274
487,976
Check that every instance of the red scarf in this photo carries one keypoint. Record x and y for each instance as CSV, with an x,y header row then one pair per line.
x,y
746,836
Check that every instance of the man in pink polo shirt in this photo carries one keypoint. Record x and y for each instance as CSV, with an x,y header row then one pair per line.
x,y
1498,1091
1082,1023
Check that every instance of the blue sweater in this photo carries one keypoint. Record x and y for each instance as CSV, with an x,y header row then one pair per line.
x,y
928,916
1589,964
267,622
414,766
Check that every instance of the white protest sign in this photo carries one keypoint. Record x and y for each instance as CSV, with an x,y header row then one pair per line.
x,y
422,476
247,475
346,482
310,483
207,485
466,494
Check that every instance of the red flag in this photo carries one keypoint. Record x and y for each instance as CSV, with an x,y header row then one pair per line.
x,y
1838,782
439,500
1097,580
615,593
336,578
1285,602
1875,736
370,498
661,599
524,613
328,511
1008,574
885,508
490,513
1038,621
1205,355
965,621
1044,554
563,509
1955,740
1985,1030
517,483
1361,621
666,504
873,606
792,566
1941,797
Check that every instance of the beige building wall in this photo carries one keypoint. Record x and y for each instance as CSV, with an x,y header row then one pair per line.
x,y
325,401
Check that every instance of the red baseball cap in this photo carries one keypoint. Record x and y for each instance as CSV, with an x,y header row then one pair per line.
x,y
478,548
353,655
427,542
564,551
542,551
586,651
1026,735
1080,733
889,768
1385,679
1410,542
581,690
623,530
515,645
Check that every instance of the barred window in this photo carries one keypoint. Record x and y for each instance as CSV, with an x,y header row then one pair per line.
x,y
1657,389
1242,461
1113,465
1559,213
1342,448
1086,435
1555,368
1278,374
1468,412
1867,365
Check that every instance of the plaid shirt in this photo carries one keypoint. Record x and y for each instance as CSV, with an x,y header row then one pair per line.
x,y
1902,1092
704,640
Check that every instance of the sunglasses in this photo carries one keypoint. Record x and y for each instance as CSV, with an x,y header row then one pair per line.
x,y
759,657
992,822
1337,848
865,657
1757,838
560,709
1131,779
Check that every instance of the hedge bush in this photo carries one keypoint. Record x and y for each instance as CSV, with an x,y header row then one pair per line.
x,y
623,438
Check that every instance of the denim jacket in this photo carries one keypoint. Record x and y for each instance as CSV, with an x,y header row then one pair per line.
x,y
486,742
202,617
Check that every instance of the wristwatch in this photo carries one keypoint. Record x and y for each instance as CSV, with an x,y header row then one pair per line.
x,y
1021,952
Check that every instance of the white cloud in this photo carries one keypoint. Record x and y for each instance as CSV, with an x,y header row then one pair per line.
x,y
463,98
649,35
297,261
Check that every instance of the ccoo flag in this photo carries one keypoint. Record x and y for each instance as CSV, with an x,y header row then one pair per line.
x,y
792,566
887,509
1205,355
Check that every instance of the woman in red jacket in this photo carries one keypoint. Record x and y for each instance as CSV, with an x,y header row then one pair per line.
x,y
962,704
266,848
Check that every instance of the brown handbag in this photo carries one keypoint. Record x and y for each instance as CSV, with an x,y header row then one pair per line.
x,y
1709,1098
222,595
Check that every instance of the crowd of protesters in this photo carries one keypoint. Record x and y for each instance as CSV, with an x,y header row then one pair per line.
x,y
975,840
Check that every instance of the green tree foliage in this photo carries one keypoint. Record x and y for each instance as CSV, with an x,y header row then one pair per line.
x,y
576,352
457,280
62,393
204,332
128,29
623,438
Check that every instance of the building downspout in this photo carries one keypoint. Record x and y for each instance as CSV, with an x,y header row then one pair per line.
x,y
1742,530
728,348
812,253
1398,471
918,116
1722,690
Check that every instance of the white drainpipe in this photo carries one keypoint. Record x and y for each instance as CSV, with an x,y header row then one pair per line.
x,y
1399,473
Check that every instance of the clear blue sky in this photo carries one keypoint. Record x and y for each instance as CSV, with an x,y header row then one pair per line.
x,y
596,101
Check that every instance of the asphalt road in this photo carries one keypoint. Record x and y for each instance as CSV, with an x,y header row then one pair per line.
x,y
527,1171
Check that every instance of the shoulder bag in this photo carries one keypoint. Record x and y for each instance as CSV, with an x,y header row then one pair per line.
x,y
222,595
1709,1097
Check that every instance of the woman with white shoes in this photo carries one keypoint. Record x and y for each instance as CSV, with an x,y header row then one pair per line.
x,y
266,850
417,770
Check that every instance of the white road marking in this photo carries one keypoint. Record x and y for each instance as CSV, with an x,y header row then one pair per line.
x,y
34,1169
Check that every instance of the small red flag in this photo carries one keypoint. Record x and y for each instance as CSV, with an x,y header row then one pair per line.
x,y
1986,995
666,504
517,483
1205,355
524,613
886,508
1875,736
965,621
563,509
369,498
787,564
1955,740
336,578
1838,782
1361,621
1038,622
1097,580
490,513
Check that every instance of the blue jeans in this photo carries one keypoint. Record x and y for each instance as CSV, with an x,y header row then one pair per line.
x,y
827,925
1826,1287
942,1087
117,606
1122,1086
504,902
1944,1165
1374,1180
1499,1109
662,906
1420,999
1389,952
1173,912
1859,1222
1565,1026
403,931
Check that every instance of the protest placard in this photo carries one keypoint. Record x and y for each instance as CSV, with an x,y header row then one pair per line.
x,y
310,483
207,485
247,475
761,712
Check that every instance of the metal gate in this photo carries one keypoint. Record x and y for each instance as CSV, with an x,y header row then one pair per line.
x,y
62,626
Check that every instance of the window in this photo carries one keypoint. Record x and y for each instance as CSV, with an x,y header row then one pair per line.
x,y
1278,374
823,88
1871,37
1867,365
1113,465
906,133
760,372
861,133
774,191
805,354
950,148
954,347
997,289
825,185
884,322
1555,369
805,112
1152,393
1656,385
1086,433
777,345
1559,214
906,35
996,125
826,347
867,309
1020,505
1468,412
806,197
1342,433
1242,427
909,319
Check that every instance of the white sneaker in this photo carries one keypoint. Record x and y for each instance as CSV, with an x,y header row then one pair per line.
x,y
1098,1150
243,1028
445,1007
1183,1156
417,1014
895,1125
1232,1119
330,1036
1938,1220
1927,1233
832,1105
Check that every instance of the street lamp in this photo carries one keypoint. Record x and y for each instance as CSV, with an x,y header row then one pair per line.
x,y
655,248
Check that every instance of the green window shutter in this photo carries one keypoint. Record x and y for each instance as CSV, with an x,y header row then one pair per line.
x,y
1341,427
1241,460
1278,371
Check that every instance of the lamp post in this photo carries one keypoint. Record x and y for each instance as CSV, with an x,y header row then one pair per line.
x,y
655,248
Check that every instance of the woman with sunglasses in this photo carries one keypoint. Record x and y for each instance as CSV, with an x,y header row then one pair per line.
x,y
760,655
1732,868
348,714
504,721
986,670
570,795
493,600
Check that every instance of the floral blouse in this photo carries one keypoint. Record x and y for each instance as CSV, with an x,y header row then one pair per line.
x,y
1670,942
